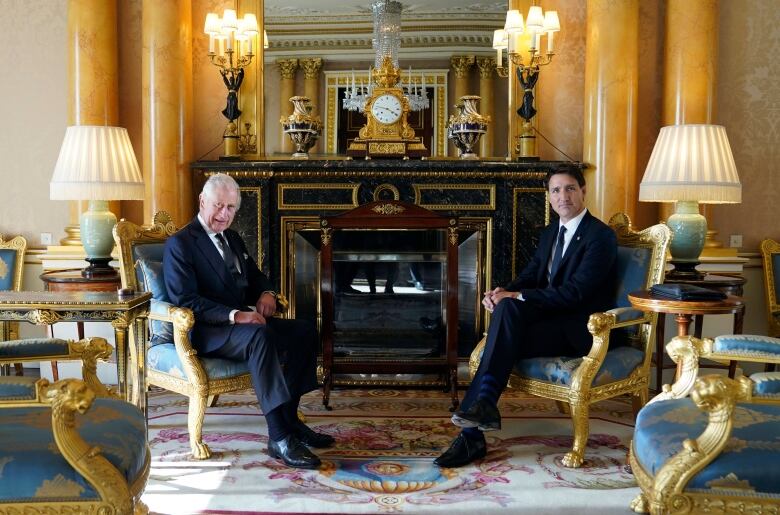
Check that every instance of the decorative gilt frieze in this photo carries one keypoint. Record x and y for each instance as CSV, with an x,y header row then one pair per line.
x,y
388,209
311,67
460,64
287,67
283,203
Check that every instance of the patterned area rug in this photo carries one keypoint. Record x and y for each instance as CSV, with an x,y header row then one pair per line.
x,y
382,462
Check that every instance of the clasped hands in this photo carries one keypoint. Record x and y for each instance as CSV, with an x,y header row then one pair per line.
x,y
496,295
266,307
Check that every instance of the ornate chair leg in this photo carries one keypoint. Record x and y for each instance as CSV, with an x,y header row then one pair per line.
x,y
200,451
579,418
638,400
640,504
212,401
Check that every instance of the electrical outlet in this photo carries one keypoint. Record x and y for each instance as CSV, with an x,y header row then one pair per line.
x,y
45,238
735,241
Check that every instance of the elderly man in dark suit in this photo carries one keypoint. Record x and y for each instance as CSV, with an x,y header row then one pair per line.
x,y
543,312
207,268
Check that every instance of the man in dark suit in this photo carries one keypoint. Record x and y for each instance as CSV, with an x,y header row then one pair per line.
x,y
543,312
207,268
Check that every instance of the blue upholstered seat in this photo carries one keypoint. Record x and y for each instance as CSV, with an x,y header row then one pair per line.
x,y
33,347
17,388
617,365
767,385
748,462
30,456
163,357
748,345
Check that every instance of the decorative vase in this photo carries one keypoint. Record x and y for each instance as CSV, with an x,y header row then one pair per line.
x,y
302,127
467,126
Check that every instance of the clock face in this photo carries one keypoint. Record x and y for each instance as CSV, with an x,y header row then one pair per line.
x,y
386,109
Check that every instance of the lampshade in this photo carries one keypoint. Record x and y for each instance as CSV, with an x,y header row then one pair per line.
x,y
514,22
96,163
213,25
691,162
250,24
535,20
499,39
551,21
229,21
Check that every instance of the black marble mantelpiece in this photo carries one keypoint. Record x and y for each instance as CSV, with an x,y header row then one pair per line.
x,y
505,202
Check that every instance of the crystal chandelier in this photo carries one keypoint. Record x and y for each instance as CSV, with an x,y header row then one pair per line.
x,y
387,43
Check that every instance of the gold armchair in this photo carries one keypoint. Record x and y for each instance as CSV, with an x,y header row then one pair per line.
x,y
577,382
11,268
172,363
72,446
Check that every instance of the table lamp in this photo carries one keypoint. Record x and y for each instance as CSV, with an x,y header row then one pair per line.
x,y
96,163
690,164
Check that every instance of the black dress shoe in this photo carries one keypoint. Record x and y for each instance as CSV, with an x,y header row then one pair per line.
x,y
312,438
292,451
481,414
462,451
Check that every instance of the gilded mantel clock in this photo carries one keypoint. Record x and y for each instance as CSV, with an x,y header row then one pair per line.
x,y
387,132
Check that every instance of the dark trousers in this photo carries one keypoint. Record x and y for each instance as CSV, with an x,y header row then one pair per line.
x,y
519,330
281,357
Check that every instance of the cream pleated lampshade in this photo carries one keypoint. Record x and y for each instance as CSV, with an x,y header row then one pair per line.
x,y
691,162
96,163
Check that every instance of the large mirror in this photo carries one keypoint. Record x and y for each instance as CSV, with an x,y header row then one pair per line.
x,y
340,33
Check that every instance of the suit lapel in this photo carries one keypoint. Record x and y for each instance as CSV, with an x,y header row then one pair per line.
x,y
206,247
576,241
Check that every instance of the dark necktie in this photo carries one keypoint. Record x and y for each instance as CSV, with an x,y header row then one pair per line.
x,y
229,257
558,256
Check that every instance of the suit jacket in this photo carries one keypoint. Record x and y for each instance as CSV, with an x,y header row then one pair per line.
x,y
585,281
198,278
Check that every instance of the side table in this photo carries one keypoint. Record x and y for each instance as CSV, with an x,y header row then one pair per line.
x,y
73,281
685,311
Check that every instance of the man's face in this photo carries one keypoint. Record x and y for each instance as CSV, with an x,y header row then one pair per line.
x,y
566,196
219,208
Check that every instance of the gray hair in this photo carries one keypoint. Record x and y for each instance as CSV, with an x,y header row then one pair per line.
x,y
219,181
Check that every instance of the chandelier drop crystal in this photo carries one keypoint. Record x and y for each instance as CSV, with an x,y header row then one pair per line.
x,y
387,44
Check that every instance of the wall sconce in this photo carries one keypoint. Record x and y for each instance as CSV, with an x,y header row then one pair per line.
x,y
690,164
537,25
97,164
231,42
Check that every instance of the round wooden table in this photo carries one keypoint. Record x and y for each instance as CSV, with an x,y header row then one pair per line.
x,y
685,311
72,280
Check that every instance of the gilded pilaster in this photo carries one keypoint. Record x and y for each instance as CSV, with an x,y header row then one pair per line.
x,y
487,69
690,65
287,69
93,84
167,107
460,65
611,85
311,88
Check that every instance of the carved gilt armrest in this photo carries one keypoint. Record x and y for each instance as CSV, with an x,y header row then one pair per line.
x,y
718,396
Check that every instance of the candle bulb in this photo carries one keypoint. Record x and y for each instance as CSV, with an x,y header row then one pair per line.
x,y
211,43
249,45
538,44
229,42
424,91
550,42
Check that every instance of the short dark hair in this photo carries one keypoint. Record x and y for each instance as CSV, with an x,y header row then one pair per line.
x,y
575,173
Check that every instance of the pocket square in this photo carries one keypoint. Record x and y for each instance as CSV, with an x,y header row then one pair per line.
x,y
686,292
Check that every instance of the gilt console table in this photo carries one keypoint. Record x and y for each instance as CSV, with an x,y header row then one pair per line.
x,y
127,315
